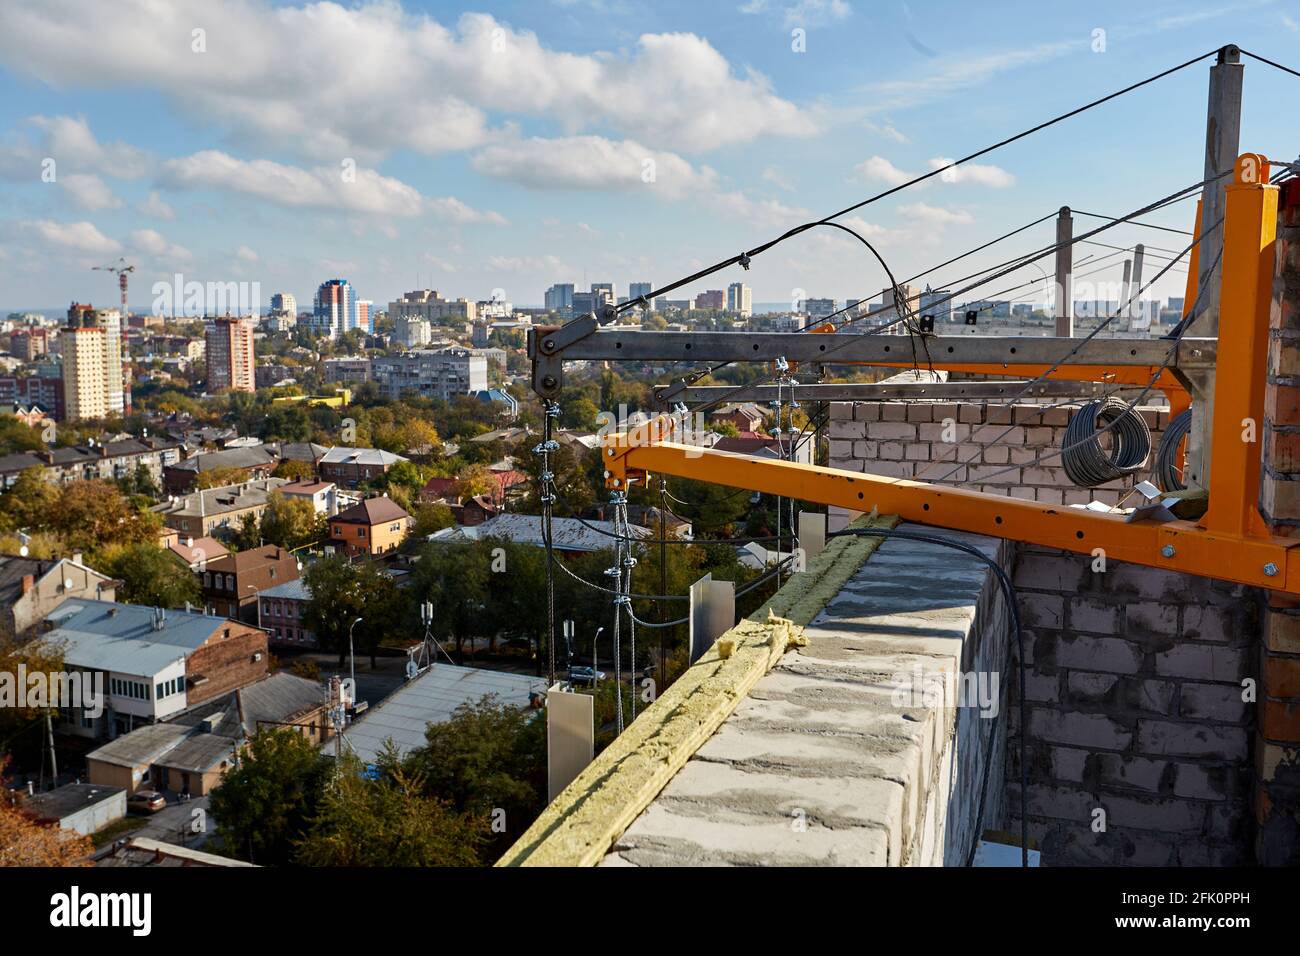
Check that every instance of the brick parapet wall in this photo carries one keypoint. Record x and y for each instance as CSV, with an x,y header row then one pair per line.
x,y
1277,749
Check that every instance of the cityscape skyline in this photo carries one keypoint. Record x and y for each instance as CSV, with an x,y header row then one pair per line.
x,y
518,189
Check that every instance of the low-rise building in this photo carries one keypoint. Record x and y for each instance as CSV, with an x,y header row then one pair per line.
x,y
80,807
351,467
30,588
250,461
98,461
323,495
217,511
231,583
442,374
192,751
281,612
373,527
154,662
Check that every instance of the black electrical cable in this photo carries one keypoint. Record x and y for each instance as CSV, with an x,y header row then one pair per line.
x,y
1148,225
1256,56
1086,463
1013,610
1167,473
743,259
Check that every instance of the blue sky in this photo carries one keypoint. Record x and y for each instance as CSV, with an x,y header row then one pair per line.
x,y
511,145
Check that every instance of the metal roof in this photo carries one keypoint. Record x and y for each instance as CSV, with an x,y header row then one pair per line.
x,y
432,698
568,534
102,635
295,590
359,456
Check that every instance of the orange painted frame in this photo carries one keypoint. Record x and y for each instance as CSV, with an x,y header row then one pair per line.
x,y
1230,542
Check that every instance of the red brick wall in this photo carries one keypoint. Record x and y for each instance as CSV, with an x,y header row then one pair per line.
x,y
226,662
1277,747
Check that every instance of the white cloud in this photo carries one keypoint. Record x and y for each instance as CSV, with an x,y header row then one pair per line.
x,y
881,169
156,207
72,236
89,192
596,163
778,177
936,215
815,13
889,131
675,89
246,254
994,176
153,243
70,142
341,188
1290,24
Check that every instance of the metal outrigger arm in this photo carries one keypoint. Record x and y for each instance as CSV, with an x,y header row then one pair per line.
x,y
1230,541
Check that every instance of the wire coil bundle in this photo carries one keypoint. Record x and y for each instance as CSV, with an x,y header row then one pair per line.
x,y
1086,463
1168,473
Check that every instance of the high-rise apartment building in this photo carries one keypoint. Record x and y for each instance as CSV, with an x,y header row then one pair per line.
x,y
85,346
714,299
284,303
443,374
740,299
936,302
229,351
365,309
428,305
607,288
335,309
636,290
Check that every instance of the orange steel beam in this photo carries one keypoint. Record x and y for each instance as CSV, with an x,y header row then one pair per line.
x,y
1230,542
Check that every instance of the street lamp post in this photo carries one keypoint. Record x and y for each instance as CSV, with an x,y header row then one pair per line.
x,y
352,654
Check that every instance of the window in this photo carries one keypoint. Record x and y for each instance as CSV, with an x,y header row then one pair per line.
x,y
207,579
266,607
230,582
361,532
158,692
272,574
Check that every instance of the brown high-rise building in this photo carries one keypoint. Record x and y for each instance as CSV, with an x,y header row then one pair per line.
x,y
230,355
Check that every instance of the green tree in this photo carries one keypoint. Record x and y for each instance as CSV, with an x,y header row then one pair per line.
x,y
388,822
430,518
341,592
290,522
264,804
248,535
151,575
490,755
29,501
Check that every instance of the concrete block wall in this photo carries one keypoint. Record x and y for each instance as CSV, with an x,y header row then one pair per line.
x,y
1135,708
1277,749
1134,682
987,446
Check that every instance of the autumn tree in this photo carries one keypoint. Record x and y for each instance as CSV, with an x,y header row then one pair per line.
x,y
24,841
28,503
92,514
290,522
151,575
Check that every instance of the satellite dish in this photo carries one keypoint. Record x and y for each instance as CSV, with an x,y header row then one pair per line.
x,y
67,584
411,670
23,551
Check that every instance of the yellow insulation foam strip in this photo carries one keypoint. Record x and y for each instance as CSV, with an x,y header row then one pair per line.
x,y
582,823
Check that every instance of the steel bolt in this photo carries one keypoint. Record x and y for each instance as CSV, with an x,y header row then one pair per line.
x,y
1167,551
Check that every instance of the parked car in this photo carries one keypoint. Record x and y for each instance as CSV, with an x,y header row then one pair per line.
x,y
146,801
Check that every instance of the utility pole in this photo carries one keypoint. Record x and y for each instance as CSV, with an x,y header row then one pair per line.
x,y
1222,145
1126,290
1064,274
1135,291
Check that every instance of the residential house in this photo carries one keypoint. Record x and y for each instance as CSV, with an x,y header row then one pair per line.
x,y
745,416
352,467
219,511
323,495
31,588
232,582
195,552
105,461
154,662
250,462
190,752
281,611
372,527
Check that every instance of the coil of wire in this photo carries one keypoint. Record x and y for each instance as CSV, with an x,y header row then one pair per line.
x,y
1086,462
1168,474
